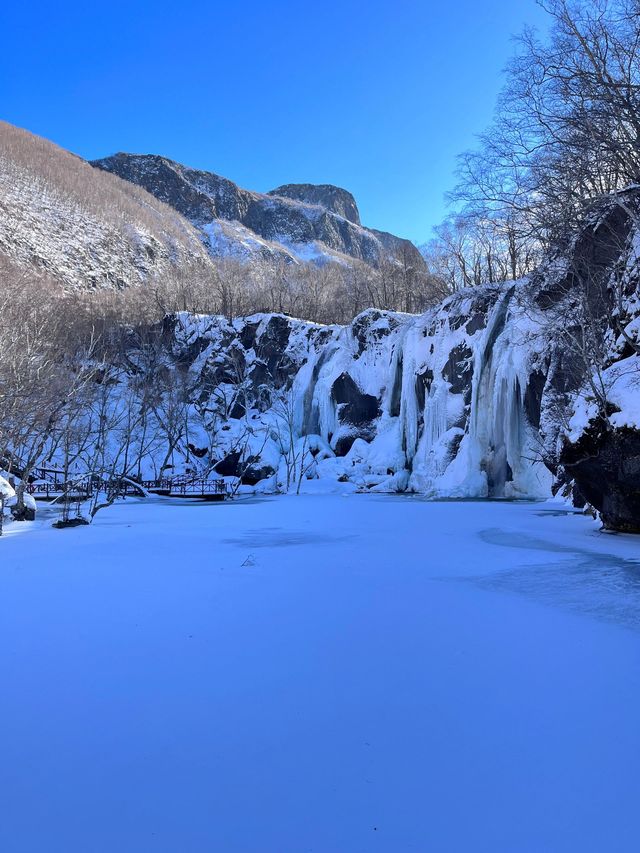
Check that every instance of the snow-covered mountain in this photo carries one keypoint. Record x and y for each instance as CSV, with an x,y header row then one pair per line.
x,y
138,217
81,226
305,222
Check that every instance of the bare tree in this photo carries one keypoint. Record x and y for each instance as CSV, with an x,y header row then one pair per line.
x,y
294,449
567,126
45,362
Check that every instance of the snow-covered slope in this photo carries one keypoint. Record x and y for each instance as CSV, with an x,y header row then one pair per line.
x,y
81,226
306,222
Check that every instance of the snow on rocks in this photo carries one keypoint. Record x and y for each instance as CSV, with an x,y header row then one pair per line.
x,y
432,404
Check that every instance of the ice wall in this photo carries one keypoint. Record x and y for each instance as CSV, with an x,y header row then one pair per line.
x,y
438,404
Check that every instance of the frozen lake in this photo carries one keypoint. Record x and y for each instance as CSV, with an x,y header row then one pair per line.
x,y
329,674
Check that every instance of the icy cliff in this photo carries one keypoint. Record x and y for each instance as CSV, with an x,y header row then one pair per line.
x,y
446,403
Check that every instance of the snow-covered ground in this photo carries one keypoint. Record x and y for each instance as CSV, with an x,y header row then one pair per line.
x,y
320,673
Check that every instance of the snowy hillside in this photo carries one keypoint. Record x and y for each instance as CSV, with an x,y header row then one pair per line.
x,y
83,227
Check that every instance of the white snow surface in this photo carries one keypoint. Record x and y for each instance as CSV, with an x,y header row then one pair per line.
x,y
7,491
335,673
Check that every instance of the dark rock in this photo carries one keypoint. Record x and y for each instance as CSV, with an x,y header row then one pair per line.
x,y
61,524
566,371
456,321
24,513
248,335
198,452
533,397
396,391
343,444
596,248
238,411
228,467
477,322
453,444
423,386
258,374
254,474
271,349
225,367
458,370
356,408
605,464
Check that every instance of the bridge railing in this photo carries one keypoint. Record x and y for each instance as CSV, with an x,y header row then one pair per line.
x,y
199,487
85,487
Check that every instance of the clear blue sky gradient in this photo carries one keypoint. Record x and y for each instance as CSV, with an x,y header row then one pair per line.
x,y
375,97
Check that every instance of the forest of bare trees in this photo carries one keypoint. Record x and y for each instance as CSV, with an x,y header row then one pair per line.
x,y
332,293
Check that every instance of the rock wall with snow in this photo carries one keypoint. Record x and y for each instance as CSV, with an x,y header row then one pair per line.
x,y
335,199
600,449
446,404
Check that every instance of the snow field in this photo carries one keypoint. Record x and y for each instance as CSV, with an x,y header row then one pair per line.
x,y
320,673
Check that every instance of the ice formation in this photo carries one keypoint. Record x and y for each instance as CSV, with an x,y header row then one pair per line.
x,y
433,404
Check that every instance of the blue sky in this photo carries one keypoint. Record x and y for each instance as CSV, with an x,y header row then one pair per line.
x,y
376,97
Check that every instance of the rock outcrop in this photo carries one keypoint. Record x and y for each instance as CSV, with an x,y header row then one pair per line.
x,y
593,290
605,463
334,199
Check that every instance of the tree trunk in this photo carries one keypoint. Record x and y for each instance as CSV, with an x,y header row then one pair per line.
x,y
21,512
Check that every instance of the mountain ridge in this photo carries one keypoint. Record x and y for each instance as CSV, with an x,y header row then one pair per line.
x,y
317,222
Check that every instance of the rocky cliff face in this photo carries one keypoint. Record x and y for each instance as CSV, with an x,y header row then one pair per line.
x,y
331,198
295,222
600,446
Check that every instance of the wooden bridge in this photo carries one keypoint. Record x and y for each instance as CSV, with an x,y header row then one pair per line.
x,y
188,487
83,487
51,488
